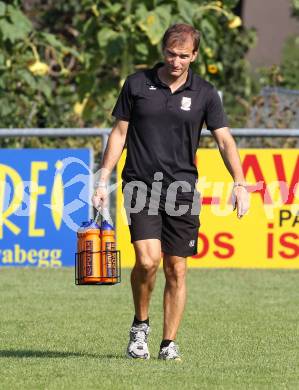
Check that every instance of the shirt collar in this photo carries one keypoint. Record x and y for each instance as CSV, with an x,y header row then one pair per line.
x,y
188,84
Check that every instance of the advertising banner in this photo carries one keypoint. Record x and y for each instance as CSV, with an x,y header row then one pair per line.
x,y
44,196
266,237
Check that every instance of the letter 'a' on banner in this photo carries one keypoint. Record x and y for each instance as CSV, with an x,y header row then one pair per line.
x,y
266,237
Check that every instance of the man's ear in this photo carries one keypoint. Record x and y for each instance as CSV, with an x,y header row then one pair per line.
x,y
194,55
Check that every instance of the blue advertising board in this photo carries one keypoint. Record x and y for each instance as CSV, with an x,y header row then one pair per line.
x,y
44,197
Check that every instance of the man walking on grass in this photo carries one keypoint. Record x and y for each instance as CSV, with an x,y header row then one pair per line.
x,y
159,114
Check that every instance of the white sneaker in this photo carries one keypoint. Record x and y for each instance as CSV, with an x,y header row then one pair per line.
x,y
170,353
137,347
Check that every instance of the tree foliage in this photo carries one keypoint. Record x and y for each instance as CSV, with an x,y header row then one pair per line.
x,y
62,62
295,7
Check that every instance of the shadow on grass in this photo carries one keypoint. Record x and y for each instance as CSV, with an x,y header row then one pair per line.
x,y
54,354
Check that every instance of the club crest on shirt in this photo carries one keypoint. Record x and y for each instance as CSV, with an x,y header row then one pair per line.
x,y
186,103
152,88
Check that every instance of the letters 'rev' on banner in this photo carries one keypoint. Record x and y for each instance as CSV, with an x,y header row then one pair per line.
x,y
44,196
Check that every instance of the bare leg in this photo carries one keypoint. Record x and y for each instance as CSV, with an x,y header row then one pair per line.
x,y
143,275
175,269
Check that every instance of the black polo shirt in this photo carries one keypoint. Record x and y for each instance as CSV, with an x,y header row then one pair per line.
x,y
164,127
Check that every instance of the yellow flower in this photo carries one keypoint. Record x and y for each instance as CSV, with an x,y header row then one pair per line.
x,y
218,4
39,68
235,22
209,52
80,106
150,20
213,69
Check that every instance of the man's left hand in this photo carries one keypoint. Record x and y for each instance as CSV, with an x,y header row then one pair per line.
x,y
240,200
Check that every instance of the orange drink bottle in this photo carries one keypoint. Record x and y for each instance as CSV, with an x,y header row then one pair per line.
x,y
108,246
92,255
80,248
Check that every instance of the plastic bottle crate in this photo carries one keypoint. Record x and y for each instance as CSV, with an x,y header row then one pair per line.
x,y
110,267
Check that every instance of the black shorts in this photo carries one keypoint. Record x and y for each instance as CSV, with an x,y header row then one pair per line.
x,y
178,233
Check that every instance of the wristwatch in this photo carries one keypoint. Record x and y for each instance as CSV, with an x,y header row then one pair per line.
x,y
240,184
100,184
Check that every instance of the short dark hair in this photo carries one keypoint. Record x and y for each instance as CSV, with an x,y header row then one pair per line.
x,y
179,33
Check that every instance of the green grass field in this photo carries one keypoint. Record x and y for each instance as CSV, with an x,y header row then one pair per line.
x,y
240,331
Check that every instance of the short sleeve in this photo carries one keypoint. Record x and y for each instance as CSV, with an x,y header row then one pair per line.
x,y
123,107
215,117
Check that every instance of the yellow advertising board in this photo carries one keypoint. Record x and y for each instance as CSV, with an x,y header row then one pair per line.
x,y
266,237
